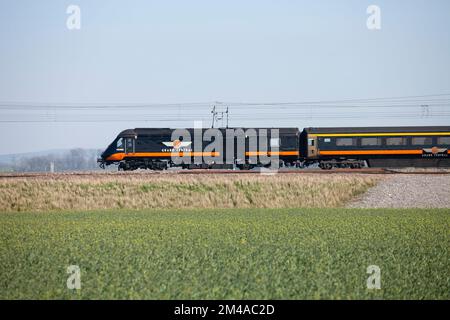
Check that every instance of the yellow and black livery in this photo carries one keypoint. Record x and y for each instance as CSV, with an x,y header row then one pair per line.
x,y
376,147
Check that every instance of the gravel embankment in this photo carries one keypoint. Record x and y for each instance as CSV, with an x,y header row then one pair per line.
x,y
407,191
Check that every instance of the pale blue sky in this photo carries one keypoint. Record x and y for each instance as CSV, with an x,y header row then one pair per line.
x,y
200,51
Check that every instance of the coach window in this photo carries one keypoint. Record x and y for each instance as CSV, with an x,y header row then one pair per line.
x,y
397,141
120,144
444,140
346,142
421,141
370,141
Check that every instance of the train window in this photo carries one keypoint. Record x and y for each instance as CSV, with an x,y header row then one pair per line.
x,y
120,144
420,141
346,142
397,141
444,140
371,141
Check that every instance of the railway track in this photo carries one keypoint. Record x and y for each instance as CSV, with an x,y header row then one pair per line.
x,y
224,172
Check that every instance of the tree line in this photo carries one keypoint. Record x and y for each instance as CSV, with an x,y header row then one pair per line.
x,y
72,160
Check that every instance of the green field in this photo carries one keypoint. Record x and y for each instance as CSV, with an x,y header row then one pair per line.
x,y
226,254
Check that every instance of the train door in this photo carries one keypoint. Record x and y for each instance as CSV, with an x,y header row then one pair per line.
x,y
129,145
312,147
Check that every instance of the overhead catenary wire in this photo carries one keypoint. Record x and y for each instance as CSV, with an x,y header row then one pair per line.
x,y
407,107
391,100
445,103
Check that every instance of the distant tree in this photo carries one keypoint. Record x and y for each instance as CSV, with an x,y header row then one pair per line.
x,y
73,160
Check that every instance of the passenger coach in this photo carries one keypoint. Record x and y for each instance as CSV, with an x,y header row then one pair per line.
x,y
377,147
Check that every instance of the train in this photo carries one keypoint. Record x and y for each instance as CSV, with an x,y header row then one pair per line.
x,y
249,148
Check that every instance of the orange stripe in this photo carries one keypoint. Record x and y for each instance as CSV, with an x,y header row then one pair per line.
x,y
120,156
280,153
364,152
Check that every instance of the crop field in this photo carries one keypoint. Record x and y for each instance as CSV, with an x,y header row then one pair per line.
x,y
56,192
226,254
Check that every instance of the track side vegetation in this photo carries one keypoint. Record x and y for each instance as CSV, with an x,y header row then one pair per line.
x,y
49,193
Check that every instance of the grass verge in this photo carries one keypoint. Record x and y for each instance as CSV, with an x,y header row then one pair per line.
x,y
180,191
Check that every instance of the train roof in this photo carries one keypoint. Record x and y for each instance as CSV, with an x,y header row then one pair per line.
x,y
156,131
378,129
293,130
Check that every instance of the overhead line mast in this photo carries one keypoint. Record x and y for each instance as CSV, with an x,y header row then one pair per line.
x,y
219,115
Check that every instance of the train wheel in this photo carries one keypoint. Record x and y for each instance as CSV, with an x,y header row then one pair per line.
x,y
326,166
